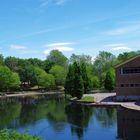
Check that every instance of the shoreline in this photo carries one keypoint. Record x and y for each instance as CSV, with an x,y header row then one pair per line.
x,y
31,93
103,100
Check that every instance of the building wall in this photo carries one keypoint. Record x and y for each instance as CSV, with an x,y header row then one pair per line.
x,y
128,84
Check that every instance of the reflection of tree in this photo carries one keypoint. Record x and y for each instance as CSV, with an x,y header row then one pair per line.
x,y
54,110
9,112
79,117
106,116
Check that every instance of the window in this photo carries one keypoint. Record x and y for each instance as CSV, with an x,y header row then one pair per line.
x,y
130,85
130,70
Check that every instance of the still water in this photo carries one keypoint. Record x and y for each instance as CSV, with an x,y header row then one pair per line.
x,y
58,119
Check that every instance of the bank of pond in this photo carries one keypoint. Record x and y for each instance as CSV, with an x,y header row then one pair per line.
x,y
59,119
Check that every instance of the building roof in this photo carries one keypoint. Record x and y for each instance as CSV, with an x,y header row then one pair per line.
x,y
127,61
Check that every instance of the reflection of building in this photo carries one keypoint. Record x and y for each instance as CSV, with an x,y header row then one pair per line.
x,y
128,79
128,124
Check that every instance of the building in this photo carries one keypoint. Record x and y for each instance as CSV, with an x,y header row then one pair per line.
x,y
128,79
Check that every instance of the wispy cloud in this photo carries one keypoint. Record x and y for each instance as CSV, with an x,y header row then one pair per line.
x,y
61,46
54,2
17,47
122,30
119,47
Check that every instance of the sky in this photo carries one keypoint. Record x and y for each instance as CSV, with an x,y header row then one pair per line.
x,y
32,28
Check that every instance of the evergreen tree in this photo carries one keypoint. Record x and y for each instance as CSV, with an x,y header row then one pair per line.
x,y
78,81
85,77
69,86
110,80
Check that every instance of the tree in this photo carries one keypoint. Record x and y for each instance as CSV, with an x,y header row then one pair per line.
x,y
57,58
59,74
103,62
1,59
69,86
127,55
78,81
110,80
81,58
8,79
11,63
95,83
85,77
43,79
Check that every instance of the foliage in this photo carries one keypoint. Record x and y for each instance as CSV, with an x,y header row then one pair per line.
x,y
127,55
86,80
110,80
57,58
8,79
1,59
11,63
94,83
42,78
103,61
59,74
81,59
13,135
69,86
74,83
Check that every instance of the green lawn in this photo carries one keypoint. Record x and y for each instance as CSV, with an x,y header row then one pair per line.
x,y
87,99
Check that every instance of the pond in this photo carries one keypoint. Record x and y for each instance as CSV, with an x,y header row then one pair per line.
x,y
58,119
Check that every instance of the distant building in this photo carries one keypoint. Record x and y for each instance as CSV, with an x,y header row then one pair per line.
x,y
128,79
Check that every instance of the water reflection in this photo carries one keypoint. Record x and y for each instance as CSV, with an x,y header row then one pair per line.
x,y
58,118
78,116
128,124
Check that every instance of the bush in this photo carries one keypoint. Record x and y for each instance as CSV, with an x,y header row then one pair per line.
x,y
13,135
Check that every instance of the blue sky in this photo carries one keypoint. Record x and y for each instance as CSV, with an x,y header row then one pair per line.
x,y
32,28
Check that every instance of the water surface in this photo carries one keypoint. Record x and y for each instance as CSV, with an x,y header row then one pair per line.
x,y
58,119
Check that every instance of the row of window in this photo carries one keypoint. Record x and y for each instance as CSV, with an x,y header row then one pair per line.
x,y
130,70
130,85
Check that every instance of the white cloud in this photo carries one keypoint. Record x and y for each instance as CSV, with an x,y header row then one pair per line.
x,y
121,48
17,47
118,47
122,30
61,46
55,2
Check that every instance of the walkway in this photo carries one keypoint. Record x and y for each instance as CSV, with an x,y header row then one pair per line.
x,y
108,99
31,93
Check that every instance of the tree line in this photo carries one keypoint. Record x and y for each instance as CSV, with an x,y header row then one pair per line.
x,y
59,71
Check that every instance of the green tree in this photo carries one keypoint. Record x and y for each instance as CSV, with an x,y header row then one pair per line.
x,y
11,63
94,83
59,74
69,86
78,81
1,59
81,59
127,55
8,79
102,63
85,77
57,58
110,80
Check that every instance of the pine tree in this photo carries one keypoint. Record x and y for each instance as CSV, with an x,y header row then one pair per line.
x,y
78,81
85,77
69,86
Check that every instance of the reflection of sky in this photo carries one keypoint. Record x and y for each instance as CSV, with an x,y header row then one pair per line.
x,y
62,131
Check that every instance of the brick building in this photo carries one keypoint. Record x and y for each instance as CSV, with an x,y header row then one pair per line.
x,y
128,79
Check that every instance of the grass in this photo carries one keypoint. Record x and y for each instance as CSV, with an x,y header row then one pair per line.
x,y
87,99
